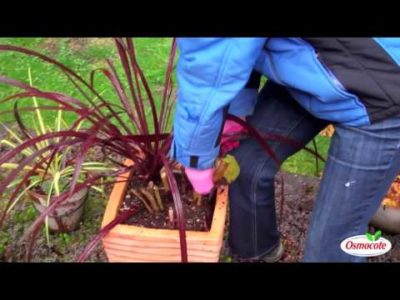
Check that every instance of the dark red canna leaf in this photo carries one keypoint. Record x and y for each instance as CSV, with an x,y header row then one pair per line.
x,y
103,127
178,208
167,85
255,134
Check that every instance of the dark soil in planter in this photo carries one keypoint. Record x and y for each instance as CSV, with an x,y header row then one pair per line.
x,y
198,218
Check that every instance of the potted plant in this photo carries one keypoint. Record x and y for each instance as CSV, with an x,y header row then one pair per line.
x,y
153,213
121,129
133,243
49,178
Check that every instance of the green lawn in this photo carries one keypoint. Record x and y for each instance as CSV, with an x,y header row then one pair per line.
x,y
82,56
304,162
85,55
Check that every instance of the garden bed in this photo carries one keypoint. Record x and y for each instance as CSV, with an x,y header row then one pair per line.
x,y
299,197
300,192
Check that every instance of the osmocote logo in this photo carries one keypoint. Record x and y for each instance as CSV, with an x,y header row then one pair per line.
x,y
367,245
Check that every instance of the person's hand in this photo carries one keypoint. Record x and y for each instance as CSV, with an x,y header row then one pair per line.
x,y
201,180
227,142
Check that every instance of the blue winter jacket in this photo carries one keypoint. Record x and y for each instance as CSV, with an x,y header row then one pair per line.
x,y
352,81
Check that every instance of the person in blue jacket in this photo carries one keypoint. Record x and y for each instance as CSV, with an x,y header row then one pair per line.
x,y
353,83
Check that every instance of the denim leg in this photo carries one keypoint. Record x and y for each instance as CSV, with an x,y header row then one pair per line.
x,y
253,227
362,164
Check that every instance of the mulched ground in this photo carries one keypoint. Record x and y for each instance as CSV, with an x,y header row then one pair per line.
x,y
299,192
299,198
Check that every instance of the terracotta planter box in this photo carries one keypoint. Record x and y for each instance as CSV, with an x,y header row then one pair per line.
x,y
128,243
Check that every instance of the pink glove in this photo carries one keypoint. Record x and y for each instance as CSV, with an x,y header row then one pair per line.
x,y
201,180
230,128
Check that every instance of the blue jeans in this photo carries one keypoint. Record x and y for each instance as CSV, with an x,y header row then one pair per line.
x,y
361,165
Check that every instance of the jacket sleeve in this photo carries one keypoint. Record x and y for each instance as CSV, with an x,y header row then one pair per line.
x,y
211,72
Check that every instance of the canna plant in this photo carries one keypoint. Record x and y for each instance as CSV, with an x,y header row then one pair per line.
x,y
131,127
134,126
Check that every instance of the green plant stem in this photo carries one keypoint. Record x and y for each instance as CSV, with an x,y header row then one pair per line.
x,y
158,197
135,193
150,198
